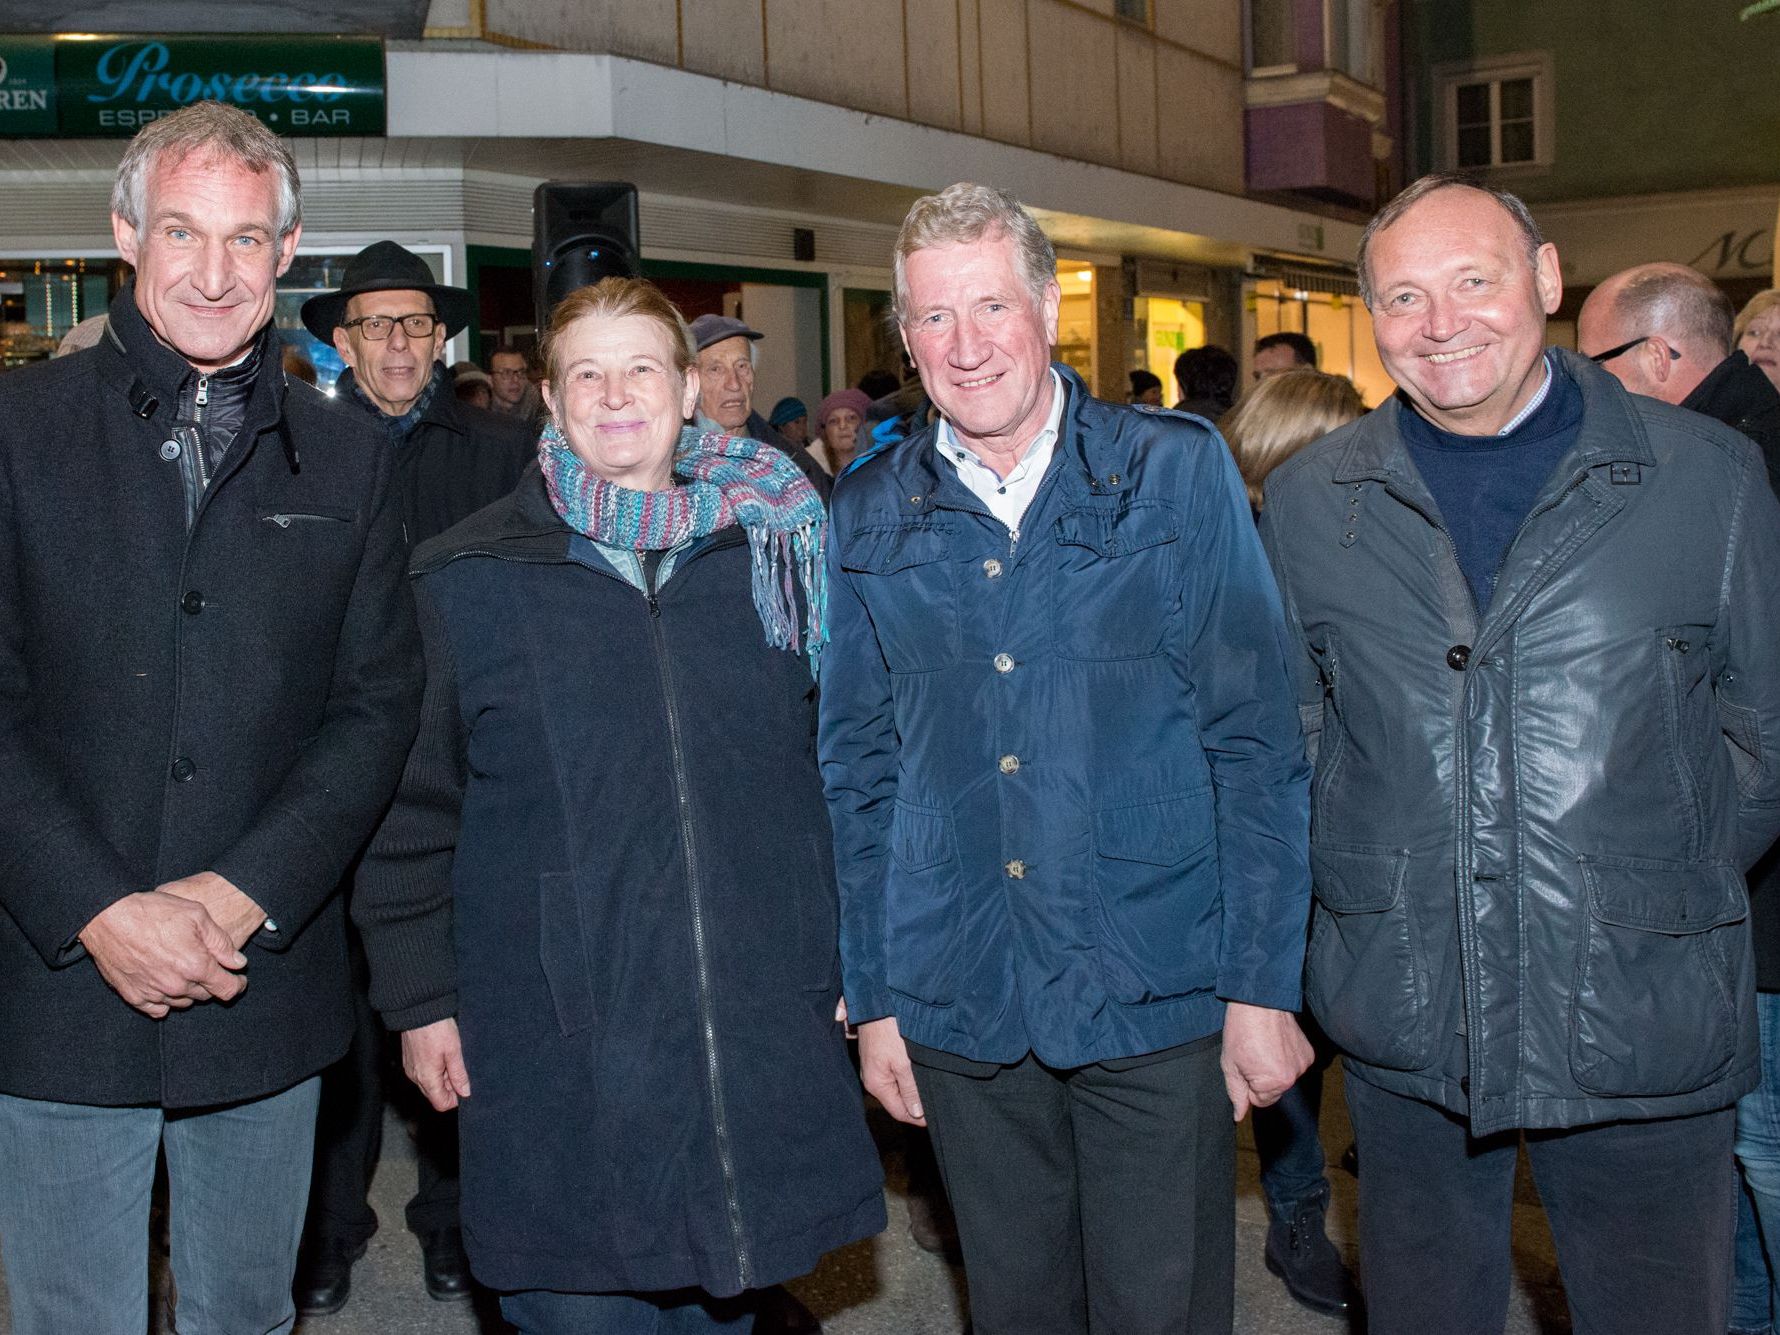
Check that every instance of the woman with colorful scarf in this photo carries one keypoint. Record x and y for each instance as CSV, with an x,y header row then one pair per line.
x,y
602,909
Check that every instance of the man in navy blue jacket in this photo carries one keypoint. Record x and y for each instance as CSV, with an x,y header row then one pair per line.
x,y
1069,800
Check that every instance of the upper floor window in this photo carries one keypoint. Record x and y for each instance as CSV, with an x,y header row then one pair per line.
x,y
1349,38
1272,37
1495,113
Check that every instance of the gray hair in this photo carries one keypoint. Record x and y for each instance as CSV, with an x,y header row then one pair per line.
x,y
206,128
1679,303
963,213
1432,184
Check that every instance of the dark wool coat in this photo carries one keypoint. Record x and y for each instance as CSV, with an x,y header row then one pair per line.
x,y
616,798
238,698
457,459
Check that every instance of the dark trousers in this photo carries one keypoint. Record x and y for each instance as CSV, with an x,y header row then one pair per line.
x,y
1099,1199
349,1137
1641,1213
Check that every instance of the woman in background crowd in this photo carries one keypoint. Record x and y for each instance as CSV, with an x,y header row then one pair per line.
x,y
1281,415
838,419
1758,332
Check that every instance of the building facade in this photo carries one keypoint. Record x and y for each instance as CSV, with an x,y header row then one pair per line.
x,y
1636,132
1202,165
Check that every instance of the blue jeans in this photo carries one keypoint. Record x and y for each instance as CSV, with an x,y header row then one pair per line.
x,y
1288,1145
74,1190
682,1312
1758,1151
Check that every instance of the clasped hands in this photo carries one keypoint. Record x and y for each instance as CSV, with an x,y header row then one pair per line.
x,y
163,949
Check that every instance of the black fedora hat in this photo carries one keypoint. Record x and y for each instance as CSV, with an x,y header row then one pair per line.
x,y
383,266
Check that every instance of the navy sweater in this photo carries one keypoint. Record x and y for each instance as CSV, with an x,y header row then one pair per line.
x,y
1485,485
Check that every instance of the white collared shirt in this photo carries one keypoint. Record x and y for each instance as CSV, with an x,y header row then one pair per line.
x,y
1007,497
1532,403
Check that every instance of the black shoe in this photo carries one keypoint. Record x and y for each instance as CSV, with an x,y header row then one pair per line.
x,y
444,1267
934,1227
1300,1253
781,1314
324,1276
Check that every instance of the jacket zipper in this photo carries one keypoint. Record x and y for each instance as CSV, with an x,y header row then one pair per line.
x,y
707,1023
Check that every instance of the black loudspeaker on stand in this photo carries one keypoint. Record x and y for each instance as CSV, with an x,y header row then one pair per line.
x,y
582,231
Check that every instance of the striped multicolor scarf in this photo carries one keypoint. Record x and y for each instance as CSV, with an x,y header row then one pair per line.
x,y
726,480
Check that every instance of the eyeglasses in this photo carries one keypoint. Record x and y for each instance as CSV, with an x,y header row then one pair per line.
x,y
1607,356
378,327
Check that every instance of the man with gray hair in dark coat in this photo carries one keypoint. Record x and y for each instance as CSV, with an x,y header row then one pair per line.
x,y
209,678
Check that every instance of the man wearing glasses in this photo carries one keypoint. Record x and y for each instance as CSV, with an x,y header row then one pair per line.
x,y
389,322
1665,331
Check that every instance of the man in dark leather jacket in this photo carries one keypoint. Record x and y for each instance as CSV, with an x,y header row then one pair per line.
x,y
1537,627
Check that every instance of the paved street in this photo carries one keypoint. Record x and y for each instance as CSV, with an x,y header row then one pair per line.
x,y
888,1286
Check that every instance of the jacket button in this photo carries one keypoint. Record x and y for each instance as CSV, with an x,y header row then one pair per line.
x,y
1004,662
1016,869
1458,656
992,568
192,603
1009,764
169,450
183,769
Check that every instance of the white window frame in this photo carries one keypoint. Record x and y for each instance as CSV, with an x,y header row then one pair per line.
x,y
1374,39
1449,78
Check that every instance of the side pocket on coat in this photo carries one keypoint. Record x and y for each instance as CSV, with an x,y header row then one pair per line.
x,y
1660,966
1365,979
562,950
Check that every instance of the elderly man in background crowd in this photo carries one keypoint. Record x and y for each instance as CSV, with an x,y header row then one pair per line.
x,y
1665,331
389,322
726,392
1069,802
209,678
1536,619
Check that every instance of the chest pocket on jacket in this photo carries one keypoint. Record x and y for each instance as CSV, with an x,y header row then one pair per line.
x,y
1114,588
910,585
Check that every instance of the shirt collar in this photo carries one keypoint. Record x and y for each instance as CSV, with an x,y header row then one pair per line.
x,y
949,447
1532,403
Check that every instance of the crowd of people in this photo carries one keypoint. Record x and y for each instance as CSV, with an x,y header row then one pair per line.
x,y
1078,777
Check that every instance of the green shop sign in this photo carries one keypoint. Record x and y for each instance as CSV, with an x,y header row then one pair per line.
x,y
86,86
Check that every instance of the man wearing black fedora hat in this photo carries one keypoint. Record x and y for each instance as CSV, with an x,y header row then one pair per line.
x,y
389,321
